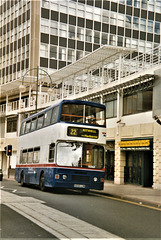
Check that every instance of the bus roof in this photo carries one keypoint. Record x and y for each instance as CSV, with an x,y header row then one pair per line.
x,y
90,103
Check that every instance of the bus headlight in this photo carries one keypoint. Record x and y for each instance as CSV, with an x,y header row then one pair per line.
x,y
95,179
65,177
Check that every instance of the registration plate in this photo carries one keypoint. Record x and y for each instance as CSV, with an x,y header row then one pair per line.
x,y
79,186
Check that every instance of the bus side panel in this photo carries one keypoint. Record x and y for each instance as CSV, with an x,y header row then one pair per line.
x,y
49,174
18,172
17,175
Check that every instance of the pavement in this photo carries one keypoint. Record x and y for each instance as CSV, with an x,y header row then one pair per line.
x,y
130,192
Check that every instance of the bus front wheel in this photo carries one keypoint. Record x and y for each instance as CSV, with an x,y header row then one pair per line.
x,y
42,187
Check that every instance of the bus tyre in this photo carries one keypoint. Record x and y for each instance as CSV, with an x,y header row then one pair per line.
x,y
42,187
22,179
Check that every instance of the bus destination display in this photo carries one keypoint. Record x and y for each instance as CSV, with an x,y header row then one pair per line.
x,y
82,132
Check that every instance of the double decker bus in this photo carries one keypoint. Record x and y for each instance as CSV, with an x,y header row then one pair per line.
x,y
63,147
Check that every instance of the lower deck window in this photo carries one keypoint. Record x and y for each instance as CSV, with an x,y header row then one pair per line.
x,y
31,155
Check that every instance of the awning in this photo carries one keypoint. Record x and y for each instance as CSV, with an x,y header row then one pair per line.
x,y
103,55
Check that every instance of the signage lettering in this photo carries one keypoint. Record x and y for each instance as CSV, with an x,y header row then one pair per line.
x,y
82,132
135,143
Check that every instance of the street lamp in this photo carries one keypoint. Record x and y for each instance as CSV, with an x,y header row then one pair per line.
x,y
22,87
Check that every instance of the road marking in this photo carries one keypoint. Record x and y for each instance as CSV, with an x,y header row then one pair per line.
x,y
14,191
10,189
61,225
128,201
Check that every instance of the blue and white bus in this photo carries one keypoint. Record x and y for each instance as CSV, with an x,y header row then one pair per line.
x,y
63,147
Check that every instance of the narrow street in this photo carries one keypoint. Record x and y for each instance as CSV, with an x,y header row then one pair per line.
x,y
73,214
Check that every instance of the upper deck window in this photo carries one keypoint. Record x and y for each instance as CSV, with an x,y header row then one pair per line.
x,y
22,130
55,113
40,121
47,117
28,125
50,116
79,113
33,124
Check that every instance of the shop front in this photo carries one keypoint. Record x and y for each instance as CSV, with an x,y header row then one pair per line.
x,y
139,161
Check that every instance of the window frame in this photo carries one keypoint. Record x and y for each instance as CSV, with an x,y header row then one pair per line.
x,y
11,125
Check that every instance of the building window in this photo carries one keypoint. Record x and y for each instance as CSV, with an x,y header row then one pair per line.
x,y
71,55
44,26
53,28
150,26
88,35
135,22
80,34
143,24
137,102
63,30
45,4
110,102
112,40
62,54
158,7
157,27
53,52
105,17
12,124
79,54
128,21
71,32
43,50
104,38
120,41
96,37
121,19
111,109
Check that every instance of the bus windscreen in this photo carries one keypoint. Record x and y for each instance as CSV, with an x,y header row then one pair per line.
x,y
82,155
79,113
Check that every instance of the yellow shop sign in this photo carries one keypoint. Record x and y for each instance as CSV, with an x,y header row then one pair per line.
x,y
134,143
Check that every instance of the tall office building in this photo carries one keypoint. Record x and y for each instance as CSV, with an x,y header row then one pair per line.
x,y
54,33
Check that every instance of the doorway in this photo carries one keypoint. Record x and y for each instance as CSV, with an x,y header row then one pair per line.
x,y
109,165
139,168
133,167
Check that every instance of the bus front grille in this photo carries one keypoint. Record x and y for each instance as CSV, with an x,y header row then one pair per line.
x,y
80,178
